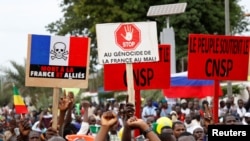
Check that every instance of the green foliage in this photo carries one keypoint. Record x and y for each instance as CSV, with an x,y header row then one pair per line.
x,y
156,95
235,89
88,98
201,16
103,96
120,98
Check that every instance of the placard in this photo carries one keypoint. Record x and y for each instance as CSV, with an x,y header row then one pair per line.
x,y
218,57
57,61
127,43
153,75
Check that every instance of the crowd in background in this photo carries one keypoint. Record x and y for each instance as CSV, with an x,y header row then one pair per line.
x,y
187,118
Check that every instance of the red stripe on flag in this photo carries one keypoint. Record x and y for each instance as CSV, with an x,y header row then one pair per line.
x,y
21,109
78,51
190,91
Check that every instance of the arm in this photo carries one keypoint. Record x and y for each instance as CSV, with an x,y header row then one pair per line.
x,y
139,123
126,135
85,105
108,120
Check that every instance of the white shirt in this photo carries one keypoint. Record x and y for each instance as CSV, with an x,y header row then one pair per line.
x,y
241,111
148,111
84,128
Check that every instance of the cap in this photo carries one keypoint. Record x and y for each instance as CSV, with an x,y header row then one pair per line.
x,y
183,101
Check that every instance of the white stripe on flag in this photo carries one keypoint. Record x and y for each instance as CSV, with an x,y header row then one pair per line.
x,y
59,50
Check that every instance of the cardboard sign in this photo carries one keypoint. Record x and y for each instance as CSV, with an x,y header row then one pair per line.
x,y
153,75
120,43
218,57
57,61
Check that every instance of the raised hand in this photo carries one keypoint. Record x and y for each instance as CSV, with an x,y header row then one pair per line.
x,y
108,119
66,101
24,127
134,122
129,33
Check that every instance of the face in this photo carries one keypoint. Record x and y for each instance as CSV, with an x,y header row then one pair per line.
x,y
240,103
188,119
177,109
199,134
178,129
149,102
230,120
190,105
92,120
247,119
196,105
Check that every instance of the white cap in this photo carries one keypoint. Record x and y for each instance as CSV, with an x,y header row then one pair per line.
x,y
183,101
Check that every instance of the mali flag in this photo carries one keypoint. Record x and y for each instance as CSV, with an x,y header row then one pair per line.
x,y
19,105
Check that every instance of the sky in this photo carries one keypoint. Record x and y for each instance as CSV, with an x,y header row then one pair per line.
x,y
18,18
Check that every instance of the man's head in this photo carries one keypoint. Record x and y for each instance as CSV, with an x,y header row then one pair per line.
x,y
167,129
230,120
34,136
167,137
92,120
247,118
198,133
186,136
150,102
188,119
184,103
240,103
164,103
178,128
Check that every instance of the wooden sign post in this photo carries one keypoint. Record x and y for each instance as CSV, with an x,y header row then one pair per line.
x,y
130,81
55,107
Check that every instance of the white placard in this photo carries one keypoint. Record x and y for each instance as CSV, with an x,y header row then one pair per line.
x,y
127,42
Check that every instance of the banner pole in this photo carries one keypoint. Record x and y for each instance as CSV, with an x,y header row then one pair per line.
x,y
137,108
130,83
216,100
55,107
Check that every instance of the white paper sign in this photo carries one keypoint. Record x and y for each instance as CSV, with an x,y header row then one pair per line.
x,y
127,42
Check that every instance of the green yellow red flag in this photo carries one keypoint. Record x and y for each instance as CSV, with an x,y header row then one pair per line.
x,y
20,107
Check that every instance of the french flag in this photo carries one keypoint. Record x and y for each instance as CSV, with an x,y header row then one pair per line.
x,y
182,87
59,50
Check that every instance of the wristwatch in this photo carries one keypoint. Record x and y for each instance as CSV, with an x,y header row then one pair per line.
x,y
145,132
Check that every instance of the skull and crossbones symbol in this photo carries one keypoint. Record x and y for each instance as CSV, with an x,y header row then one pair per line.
x,y
59,51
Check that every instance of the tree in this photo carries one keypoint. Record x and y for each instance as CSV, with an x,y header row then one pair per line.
x,y
16,75
204,16
201,16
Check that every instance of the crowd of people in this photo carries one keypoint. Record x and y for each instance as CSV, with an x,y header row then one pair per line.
x,y
187,120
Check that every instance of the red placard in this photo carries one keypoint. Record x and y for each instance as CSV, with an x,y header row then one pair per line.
x,y
218,57
153,75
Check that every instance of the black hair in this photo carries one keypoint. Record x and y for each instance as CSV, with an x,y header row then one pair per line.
x,y
69,129
166,127
183,134
166,137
